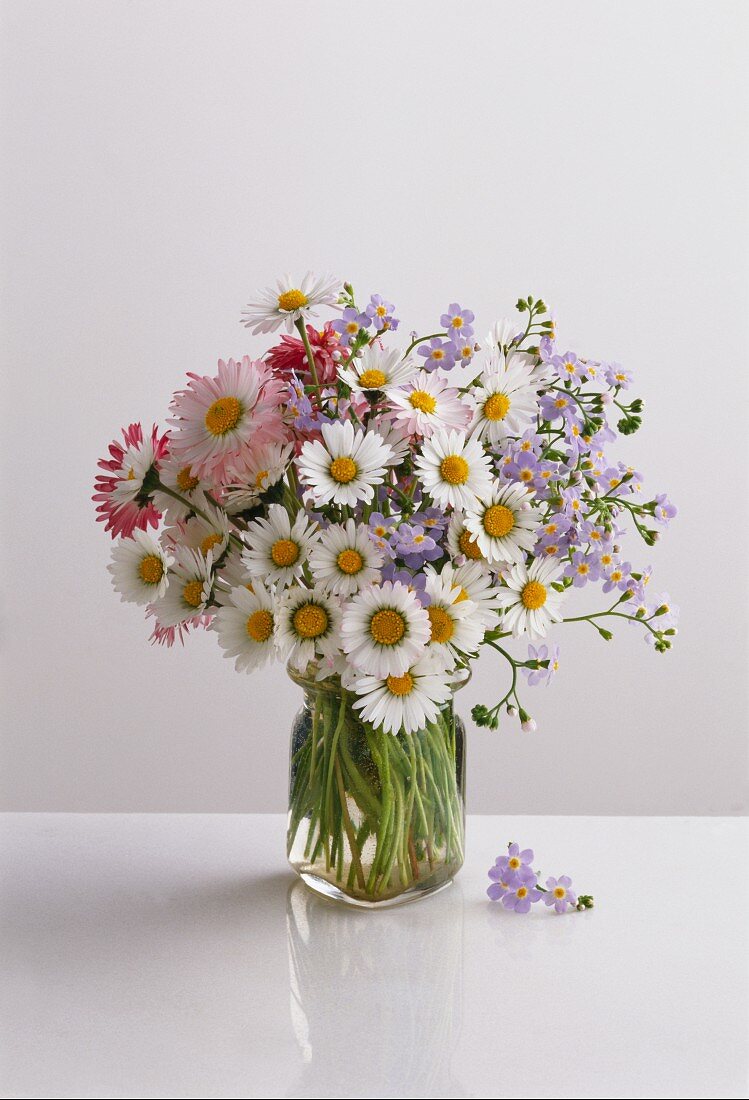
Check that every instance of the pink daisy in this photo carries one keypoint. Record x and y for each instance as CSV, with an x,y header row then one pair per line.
x,y
121,511
168,635
216,418
290,356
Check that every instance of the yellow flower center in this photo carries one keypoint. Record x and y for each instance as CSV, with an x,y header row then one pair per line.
x,y
311,621
291,299
455,470
131,474
497,406
223,415
583,569
381,311
260,625
209,542
372,379
533,595
192,593
457,322
559,891
259,476
560,403
352,327
284,552
462,593
468,546
343,470
400,685
387,627
443,626
423,401
513,863
350,561
438,353
522,891
151,569
185,481
569,367
498,521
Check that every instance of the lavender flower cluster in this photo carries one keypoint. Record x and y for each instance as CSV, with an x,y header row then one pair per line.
x,y
515,884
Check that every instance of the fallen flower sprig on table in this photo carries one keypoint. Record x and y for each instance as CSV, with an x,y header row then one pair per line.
x,y
515,884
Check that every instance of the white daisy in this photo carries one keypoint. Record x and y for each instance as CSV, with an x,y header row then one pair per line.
x,y
476,583
345,466
136,463
455,627
289,302
261,470
453,470
207,532
407,702
428,403
460,542
530,604
232,574
385,630
139,568
504,403
345,559
180,479
278,549
308,626
245,627
190,585
504,522
377,369
502,333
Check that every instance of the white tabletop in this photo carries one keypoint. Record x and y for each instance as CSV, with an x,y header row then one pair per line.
x,y
176,956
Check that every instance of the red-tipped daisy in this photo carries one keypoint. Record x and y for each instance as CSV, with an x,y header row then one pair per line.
x,y
121,501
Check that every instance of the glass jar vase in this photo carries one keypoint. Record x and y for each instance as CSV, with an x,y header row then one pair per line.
x,y
374,818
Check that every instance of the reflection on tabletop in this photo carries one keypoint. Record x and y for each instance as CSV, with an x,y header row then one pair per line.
x,y
375,1008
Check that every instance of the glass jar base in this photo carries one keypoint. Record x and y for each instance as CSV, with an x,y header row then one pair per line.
x,y
415,892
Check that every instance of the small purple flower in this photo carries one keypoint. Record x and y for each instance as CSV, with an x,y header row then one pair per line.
x,y
299,406
522,893
415,546
501,882
463,349
556,404
350,324
381,532
542,675
594,534
457,321
664,510
430,518
582,568
616,376
531,441
523,468
617,576
381,313
568,366
572,502
515,860
559,894
415,582
438,353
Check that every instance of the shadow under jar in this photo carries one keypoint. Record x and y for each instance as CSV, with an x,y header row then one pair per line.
x,y
374,818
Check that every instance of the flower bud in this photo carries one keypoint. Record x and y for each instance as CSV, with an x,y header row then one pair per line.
x,y
512,712
529,726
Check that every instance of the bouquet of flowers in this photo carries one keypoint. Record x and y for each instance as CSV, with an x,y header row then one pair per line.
x,y
374,511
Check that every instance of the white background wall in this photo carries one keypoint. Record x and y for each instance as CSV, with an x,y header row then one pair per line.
x,y
164,159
